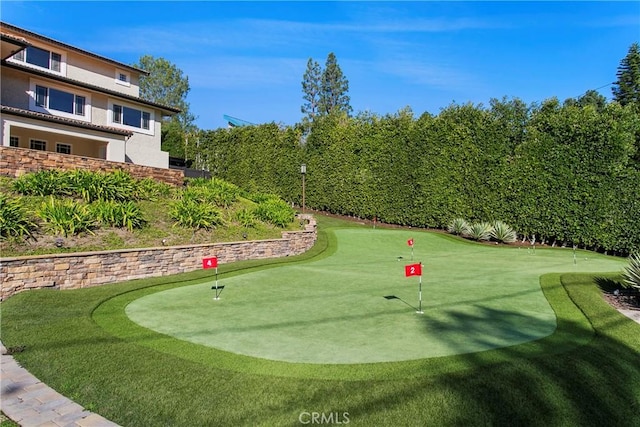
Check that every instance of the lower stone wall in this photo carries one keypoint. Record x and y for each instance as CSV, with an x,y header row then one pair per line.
x,y
16,161
82,270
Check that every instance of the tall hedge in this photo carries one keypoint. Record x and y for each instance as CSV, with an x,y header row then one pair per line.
x,y
563,173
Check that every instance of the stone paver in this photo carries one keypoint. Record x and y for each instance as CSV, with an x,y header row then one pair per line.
x,y
31,403
631,314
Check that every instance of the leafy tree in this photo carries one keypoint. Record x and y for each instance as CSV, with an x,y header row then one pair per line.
x,y
167,85
334,88
590,97
626,89
311,87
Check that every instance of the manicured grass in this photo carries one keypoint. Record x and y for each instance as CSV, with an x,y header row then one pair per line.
x,y
82,343
475,298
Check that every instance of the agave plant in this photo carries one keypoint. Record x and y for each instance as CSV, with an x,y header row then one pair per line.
x,y
480,231
503,232
459,226
631,274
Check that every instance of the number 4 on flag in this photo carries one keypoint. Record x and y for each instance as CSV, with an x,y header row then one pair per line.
x,y
413,270
211,262
410,242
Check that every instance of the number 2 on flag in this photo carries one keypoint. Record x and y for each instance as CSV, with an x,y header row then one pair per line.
x,y
413,270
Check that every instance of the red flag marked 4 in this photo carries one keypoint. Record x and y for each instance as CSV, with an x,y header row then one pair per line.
x,y
211,262
410,242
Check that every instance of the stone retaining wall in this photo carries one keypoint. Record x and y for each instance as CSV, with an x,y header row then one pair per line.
x,y
16,161
87,269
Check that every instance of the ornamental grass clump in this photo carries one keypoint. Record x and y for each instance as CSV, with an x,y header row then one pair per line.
x,y
191,213
43,183
14,220
503,233
631,275
459,227
66,217
92,186
118,214
276,212
480,231
246,218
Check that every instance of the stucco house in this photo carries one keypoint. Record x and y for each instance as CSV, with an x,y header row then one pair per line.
x,y
59,98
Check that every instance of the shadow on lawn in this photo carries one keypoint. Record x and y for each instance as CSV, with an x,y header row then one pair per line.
x,y
594,385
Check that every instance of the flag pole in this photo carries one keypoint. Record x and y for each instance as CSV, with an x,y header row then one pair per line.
x,y
420,291
217,296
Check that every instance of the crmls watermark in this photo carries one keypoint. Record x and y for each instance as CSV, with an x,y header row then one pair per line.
x,y
323,418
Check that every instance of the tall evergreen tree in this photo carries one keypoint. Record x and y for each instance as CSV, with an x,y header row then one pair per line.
x,y
311,87
334,88
626,89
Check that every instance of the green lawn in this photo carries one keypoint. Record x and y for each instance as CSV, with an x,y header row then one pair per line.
x,y
586,372
333,310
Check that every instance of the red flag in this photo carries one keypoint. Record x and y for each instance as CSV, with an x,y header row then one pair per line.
x,y
413,270
211,262
410,242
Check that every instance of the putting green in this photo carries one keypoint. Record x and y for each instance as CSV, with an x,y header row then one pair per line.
x,y
334,310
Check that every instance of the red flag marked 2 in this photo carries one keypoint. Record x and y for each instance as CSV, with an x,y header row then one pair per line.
x,y
410,242
211,262
413,270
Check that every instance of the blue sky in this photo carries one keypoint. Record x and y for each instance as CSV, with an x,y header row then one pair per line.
x,y
247,59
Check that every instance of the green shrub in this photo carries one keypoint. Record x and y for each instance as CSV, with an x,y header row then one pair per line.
x,y
92,186
14,221
480,231
246,218
503,233
149,189
276,212
262,197
191,213
118,214
631,274
459,227
43,183
66,217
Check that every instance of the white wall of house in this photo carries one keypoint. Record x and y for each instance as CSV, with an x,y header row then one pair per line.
x,y
19,89
146,148
83,142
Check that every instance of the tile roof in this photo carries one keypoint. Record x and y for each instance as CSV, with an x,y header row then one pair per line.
x,y
62,120
42,73
8,27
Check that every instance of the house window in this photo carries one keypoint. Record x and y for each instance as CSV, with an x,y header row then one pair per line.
x,y
14,141
19,56
36,144
123,77
63,148
117,114
60,100
131,117
40,58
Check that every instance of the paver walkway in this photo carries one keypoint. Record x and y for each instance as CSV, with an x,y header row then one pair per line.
x,y
29,402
